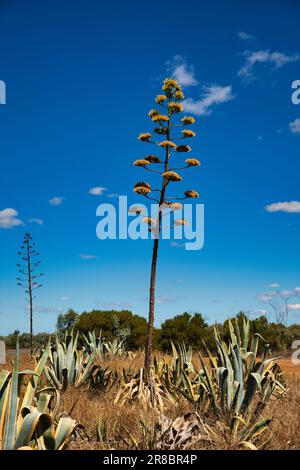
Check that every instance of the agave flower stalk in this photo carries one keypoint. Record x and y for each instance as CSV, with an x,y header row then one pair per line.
x,y
29,276
166,127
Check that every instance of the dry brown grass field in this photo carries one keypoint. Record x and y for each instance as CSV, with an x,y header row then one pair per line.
x,y
122,424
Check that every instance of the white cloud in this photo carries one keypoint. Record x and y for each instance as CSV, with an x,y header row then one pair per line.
x,y
213,95
245,36
267,297
276,59
287,206
165,299
56,201
286,293
97,191
260,311
274,285
9,218
85,256
294,306
295,126
64,297
33,220
181,71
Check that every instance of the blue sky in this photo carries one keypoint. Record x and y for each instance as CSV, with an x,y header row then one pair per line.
x,y
80,79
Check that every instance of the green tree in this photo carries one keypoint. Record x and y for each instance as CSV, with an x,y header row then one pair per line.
x,y
66,321
185,328
104,320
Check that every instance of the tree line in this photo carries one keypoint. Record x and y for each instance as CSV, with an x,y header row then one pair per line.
x,y
192,329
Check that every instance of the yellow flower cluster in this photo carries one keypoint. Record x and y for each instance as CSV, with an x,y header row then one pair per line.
x,y
160,99
145,137
179,95
161,130
152,159
175,107
188,133
192,162
170,87
142,188
187,120
174,206
141,162
172,176
167,143
153,112
191,193
135,210
181,222
160,117
149,221
183,148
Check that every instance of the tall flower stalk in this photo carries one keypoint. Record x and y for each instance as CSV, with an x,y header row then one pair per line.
x,y
29,276
167,127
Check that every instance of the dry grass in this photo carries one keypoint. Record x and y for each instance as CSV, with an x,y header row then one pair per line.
x,y
124,423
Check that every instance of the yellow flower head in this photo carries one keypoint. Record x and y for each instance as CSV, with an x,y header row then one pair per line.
x,y
188,133
170,82
183,148
145,137
149,221
160,117
160,99
142,188
172,176
175,107
141,162
179,95
160,130
135,210
181,222
187,120
167,143
173,206
191,193
152,159
153,112
192,162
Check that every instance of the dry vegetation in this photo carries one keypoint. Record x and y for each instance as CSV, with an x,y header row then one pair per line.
x,y
122,425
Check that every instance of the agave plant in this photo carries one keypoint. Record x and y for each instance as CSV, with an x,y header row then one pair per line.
x,y
103,380
31,425
68,364
237,385
150,393
183,432
93,343
115,347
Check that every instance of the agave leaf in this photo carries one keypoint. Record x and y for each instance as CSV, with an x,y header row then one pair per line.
x,y
34,380
248,445
13,400
64,430
34,422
